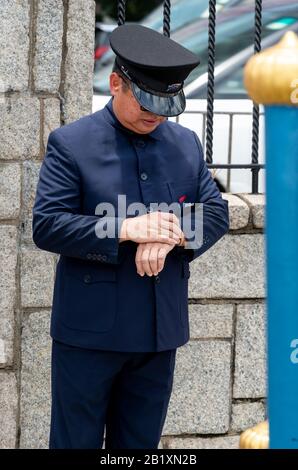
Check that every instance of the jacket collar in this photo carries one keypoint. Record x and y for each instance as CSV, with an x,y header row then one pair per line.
x,y
112,119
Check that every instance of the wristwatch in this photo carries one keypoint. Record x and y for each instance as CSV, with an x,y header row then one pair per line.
x,y
182,240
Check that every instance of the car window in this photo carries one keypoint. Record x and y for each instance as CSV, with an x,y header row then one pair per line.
x,y
235,35
183,12
232,85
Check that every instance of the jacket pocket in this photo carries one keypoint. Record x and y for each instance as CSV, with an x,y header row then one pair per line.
x,y
89,297
186,188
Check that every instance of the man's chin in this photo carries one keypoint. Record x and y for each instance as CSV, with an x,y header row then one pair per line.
x,y
147,126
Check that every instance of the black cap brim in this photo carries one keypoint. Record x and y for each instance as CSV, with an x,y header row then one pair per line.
x,y
161,104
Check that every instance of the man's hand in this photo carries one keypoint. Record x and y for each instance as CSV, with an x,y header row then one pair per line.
x,y
150,257
156,226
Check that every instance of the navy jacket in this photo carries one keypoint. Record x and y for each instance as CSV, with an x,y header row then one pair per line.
x,y
100,301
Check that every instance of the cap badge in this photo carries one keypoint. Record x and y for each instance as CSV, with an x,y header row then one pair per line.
x,y
174,87
125,71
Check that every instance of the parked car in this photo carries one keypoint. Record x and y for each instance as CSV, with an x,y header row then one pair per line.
x,y
235,31
102,34
184,12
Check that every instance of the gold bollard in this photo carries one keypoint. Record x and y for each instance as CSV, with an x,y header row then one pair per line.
x,y
256,437
271,79
270,76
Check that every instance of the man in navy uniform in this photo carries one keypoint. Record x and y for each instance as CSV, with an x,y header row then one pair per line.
x,y
120,304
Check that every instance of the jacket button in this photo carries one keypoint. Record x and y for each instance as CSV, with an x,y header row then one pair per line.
x,y
87,278
140,143
157,278
144,176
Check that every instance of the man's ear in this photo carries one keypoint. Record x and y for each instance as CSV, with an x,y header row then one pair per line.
x,y
115,83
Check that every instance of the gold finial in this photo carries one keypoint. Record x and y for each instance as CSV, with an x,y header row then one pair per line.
x,y
256,437
271,76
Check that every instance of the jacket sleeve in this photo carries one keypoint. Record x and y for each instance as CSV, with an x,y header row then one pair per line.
x,y
58,225
211,214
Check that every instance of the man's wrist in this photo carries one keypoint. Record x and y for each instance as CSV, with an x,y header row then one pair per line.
x,y
123,231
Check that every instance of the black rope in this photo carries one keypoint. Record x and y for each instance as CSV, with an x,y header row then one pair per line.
x,y
210,84
255,118
121,12
166,17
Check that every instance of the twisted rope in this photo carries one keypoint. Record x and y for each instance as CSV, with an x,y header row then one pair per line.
x,y
255,113
121,12
210,84
166,17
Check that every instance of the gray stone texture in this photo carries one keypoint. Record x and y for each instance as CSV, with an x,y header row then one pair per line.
x,y
37,277
30,178
256,203
14,45
78,87
250,364
211,320
48,46
200,401
232,268
8,263
222,442
19,124
238,211
35,381
9,410
246,415
51,110
10,184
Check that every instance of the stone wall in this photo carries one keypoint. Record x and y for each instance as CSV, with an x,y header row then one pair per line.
x,y
46,67
219,386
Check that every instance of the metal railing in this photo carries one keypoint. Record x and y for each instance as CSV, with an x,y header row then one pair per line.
x,y
229,165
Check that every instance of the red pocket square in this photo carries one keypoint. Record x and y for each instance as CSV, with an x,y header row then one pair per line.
x,y
182,198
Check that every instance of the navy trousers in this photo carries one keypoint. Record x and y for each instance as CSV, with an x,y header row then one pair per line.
x,y
124,395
